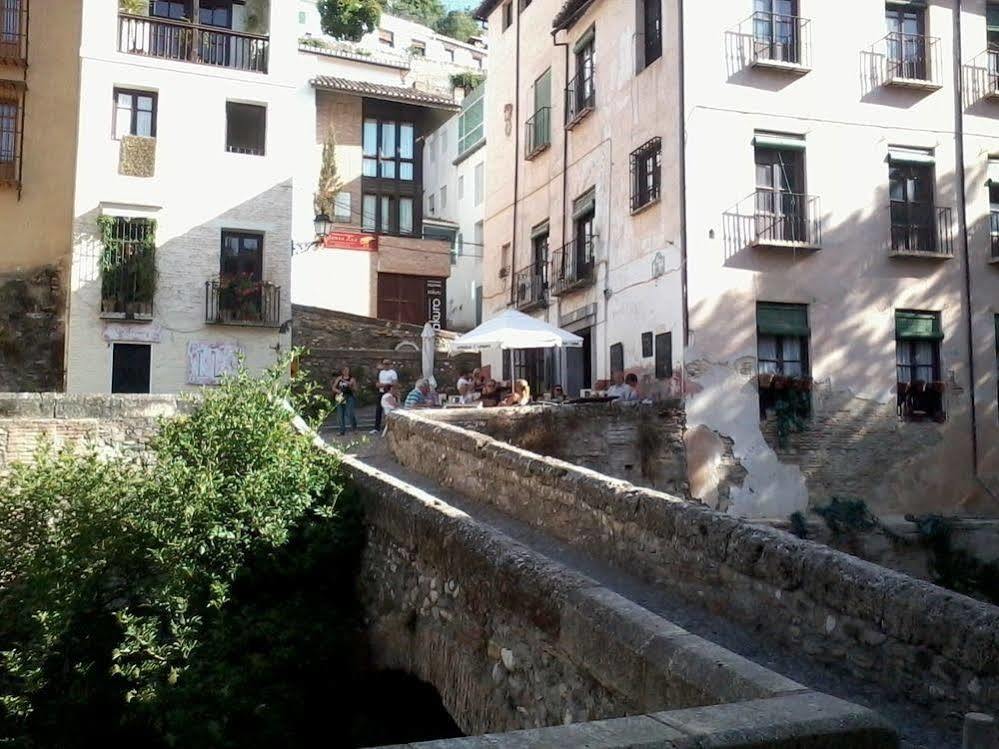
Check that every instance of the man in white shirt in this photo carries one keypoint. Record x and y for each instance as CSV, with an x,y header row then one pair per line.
x,y
618,389
466,388
387,377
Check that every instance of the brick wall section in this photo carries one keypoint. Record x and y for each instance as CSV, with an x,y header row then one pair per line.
x,y
938,647
337,339
32,331
605,437
112,424
512,640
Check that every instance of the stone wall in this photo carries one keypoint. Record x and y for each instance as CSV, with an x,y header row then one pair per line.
x,y
32,331
114,424
938,647
640,443
338,339
512,640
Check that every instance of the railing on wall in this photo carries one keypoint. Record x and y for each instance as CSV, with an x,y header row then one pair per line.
x,y
187,42
921,229
572,266
241,301
580,98
911,59
529,287
787,218
537,132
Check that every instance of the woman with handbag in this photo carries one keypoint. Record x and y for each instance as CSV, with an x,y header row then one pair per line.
x,y
344,394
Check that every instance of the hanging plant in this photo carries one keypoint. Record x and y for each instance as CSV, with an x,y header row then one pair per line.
x,y
467,80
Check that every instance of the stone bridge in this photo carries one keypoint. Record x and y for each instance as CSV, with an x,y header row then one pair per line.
x,y
554,606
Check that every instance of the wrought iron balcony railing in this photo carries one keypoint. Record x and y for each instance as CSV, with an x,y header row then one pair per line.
x,y
911,60
529,287
787,219
188,42
13,33
921,229
241,301
994,235
580,98
573,266
781,41
538,132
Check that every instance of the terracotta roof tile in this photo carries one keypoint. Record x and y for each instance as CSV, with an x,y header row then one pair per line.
x,y
378,91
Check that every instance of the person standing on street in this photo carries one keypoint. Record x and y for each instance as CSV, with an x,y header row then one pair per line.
x,y
345,395
387,377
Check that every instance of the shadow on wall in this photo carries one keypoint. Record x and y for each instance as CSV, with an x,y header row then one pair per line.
x,y
854,442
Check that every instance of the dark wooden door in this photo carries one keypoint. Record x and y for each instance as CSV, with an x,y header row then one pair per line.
x,y
402,298
130,367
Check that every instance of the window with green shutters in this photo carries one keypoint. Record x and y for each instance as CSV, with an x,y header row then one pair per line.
x,y
782,338
917,351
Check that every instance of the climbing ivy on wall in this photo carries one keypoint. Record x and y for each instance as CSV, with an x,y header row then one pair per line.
x,y
129,247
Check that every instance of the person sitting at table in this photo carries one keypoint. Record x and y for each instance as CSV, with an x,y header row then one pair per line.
x,y
521,395
490,394
558,394
631,382
618,389
466,387
419,396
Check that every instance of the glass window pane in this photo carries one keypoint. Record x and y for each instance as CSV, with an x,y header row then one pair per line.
x,y
144,123
368,208
388,169
406,215
144,103
406,141
767,347
386,213
406,170
792,368
122,122
923,353
370,168
792,349
388,140
371,138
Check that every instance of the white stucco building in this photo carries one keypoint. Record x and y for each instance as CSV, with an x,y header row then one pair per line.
x,y
183,194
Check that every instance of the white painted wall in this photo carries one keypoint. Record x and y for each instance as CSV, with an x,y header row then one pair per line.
x,y
198,190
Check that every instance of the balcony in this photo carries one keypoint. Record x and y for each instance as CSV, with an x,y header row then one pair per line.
x,y
580,99
781,42
994,237
787,220
911,61
187,42
538,132
13,34
573,266
921,231
529,288
242,301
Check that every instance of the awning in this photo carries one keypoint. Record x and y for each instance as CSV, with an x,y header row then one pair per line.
x,y
904,155
779,141
782,319
918,325
587,38
585,204
515,330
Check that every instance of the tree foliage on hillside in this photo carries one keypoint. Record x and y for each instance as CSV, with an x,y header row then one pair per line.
x,y
427,12
460,25
349,19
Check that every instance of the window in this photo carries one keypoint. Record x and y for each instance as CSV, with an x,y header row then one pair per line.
x,y
392,198
479,182
910,187
246,128
242,255
444,142
664,356
478,61
461,187
301,17
431,204
177,10
418,49
917,351
994,218
992,25
646,168
368,207
389,149
616,358
444,200
12,17
651,39
341,207
477,238
10,137
134,114
471,121
573,265
647,350
524,4
782,337
580,94
907,43
130,367
781,205
776,31
449,51
507,15
386,37
459,248
216,13
539,248
128,268
539,124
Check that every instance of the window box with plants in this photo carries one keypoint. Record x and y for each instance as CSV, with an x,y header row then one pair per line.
x,y
789,398
922,400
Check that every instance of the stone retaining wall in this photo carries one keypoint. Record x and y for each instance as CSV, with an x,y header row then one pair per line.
x,y
936,647
512,640
111,423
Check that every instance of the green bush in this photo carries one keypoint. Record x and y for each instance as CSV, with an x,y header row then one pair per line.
x,y
156,601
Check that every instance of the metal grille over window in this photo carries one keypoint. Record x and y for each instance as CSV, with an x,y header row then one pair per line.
x,y
646,171
10,138
128,267
13,32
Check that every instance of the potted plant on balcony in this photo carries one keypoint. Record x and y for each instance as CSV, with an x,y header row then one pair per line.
x,y
765,380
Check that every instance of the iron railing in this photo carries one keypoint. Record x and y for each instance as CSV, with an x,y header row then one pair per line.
x,y
530,287
781,39
573,266
538,132
128,269
912,58
921,228
994,233
646,173
14,32
241,301
580,98
787,218
11,135
188,42
992,57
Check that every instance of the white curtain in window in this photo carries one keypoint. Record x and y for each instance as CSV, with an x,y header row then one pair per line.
x,y
406,215
923,351
369,206
767,354
792,357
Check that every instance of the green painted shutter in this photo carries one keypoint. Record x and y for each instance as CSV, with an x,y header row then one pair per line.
x,y
918,325
782,319
543,90
587,38
585,204
992,16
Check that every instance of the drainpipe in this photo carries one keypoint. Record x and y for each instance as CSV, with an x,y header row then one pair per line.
x,y
962,213
683,180
516,162
565,167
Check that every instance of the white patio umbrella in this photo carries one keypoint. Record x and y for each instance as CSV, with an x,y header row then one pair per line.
x,y
515,330
429,336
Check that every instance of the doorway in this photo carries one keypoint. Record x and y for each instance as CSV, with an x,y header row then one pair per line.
x,y
130,367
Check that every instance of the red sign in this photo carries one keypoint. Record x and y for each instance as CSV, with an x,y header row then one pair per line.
x,y
349,240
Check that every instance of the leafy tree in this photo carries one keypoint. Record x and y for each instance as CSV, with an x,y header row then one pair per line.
x,y
427,12
349,19
460,25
